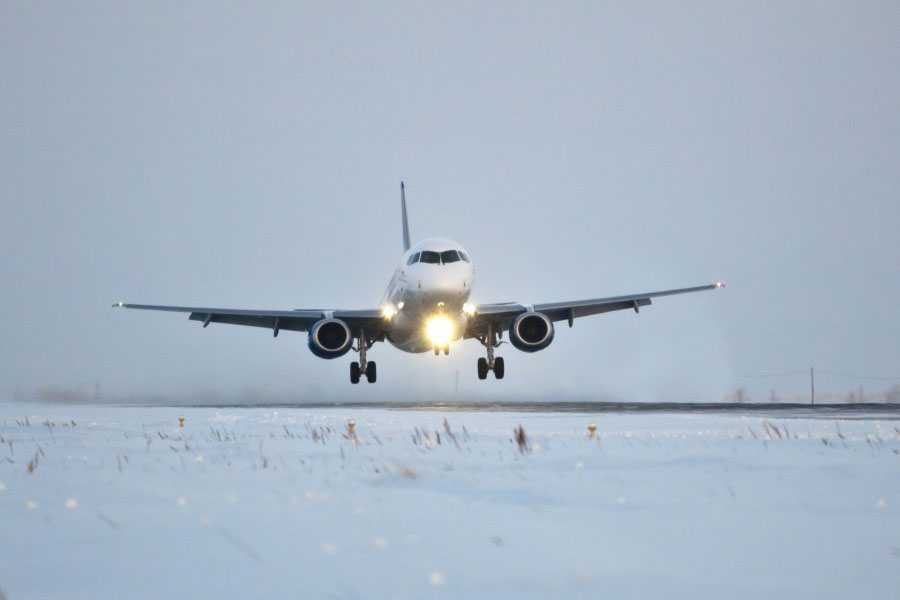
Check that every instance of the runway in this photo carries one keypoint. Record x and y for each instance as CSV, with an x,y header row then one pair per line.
x,y
780,410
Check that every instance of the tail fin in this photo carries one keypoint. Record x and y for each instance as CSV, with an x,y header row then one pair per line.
x,y
405,222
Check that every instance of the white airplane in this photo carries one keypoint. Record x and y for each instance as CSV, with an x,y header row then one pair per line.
x,y
426,307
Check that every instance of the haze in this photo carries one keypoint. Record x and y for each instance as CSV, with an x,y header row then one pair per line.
x,y
251,156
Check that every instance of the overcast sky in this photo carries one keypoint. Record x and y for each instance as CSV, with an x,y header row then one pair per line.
x,y
250,156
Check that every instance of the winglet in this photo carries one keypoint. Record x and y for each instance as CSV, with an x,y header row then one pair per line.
x,y
405,221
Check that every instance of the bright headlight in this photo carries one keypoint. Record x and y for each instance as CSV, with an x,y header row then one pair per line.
x,y
439,330
388,312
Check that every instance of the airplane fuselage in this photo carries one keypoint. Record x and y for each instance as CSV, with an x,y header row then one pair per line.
x,y
428,296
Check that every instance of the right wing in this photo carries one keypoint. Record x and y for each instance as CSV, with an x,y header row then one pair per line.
x,y
500,316
292,320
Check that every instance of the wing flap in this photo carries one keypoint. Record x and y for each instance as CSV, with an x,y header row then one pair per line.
x,y
264,321
575,311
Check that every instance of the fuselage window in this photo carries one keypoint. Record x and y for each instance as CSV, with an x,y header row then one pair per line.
x,y
449,256
432,258
413,259
464,256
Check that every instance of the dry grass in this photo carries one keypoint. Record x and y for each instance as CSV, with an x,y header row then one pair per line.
x,y
521,439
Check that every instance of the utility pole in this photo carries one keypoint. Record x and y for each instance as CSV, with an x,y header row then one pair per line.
x,y
812,386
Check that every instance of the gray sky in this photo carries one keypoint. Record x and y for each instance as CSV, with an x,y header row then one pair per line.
x,y
250,156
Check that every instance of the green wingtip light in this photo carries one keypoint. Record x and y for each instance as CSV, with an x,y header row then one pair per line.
x,y
120,304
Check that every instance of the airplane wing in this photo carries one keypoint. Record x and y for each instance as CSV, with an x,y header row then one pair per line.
x,y
276,320
500,316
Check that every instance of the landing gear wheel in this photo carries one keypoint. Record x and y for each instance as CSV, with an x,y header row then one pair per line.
x,y
446,349
354,372
482,368
371,372
498,367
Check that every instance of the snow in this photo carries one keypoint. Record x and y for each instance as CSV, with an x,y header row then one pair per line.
x,y
109,502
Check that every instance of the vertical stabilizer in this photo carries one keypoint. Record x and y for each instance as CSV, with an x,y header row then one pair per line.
x,y
405,221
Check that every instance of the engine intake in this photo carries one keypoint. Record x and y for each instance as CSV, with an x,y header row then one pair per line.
x,y
330,338
531,332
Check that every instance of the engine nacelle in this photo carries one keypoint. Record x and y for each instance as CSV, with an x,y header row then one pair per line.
x,y
330,338
531,332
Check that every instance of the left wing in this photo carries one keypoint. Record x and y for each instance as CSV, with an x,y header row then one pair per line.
x,y
500,316
276,320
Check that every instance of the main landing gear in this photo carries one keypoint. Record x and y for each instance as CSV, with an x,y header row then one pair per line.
x,y
490,363
362,367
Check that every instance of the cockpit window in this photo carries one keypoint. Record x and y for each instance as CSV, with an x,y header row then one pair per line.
x,y
449,256
430,257
464,256
413,259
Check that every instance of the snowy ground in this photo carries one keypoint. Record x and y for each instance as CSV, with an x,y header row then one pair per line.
x,y
99,502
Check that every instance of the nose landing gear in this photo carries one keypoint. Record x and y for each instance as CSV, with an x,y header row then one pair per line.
x,y
490,363
363,367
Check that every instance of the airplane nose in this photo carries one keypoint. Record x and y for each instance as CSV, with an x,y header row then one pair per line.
x,y
450,290
442,291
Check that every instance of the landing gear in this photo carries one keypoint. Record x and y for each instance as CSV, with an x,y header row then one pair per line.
x,y
356,372
482,368
357,369
490,363
446,349
499,369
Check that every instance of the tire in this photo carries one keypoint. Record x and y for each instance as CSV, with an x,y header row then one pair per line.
x,y
482,368
446,349
354,372
499,368
371,372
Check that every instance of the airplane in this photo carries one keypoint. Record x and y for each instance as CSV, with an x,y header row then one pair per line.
x,y
425,308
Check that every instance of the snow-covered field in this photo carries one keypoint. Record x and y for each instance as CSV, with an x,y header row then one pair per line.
x,y
100,502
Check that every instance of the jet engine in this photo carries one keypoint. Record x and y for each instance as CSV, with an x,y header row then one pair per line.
x,y
531,331
330,338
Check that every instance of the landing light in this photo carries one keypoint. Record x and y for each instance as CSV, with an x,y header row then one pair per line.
x,y
469,309
439,330
388,312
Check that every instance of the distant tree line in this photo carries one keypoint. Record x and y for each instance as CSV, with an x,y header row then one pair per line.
x,y
890,395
